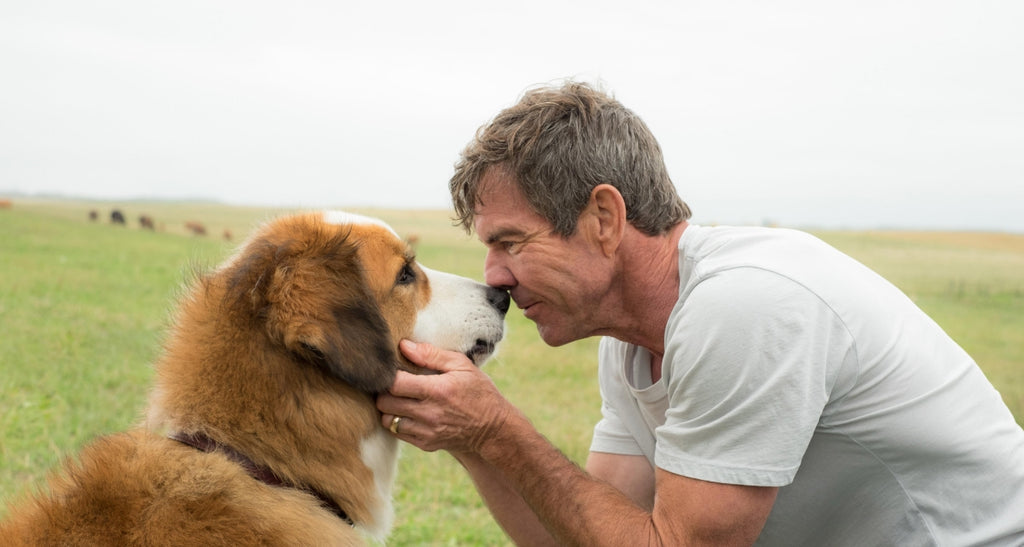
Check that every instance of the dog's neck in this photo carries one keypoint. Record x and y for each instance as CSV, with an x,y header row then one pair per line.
x,y
262,473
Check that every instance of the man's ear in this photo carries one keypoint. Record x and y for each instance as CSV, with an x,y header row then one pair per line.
x,y
607,211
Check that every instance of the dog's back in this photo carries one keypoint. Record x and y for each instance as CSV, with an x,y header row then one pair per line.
x,y
138,488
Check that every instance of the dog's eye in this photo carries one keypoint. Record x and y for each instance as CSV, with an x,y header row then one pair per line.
x,y
407,276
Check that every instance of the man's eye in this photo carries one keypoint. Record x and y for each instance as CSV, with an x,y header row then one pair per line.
x,y
407,276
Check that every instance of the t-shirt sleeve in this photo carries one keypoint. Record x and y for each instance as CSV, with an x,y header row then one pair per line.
x,y
747,371
611,434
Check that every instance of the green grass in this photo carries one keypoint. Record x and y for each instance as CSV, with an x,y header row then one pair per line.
x,y
83,307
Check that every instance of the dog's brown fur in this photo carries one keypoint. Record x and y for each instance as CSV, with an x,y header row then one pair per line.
x,y
276,354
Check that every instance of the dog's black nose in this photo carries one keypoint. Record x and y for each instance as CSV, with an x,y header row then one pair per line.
x,y
499,299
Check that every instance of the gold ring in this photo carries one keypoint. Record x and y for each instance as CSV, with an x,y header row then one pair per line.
x,y
394,424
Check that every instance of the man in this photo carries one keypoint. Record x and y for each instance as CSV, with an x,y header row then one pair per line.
x,y
757,385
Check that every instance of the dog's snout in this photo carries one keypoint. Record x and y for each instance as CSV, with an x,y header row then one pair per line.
x,y
499,299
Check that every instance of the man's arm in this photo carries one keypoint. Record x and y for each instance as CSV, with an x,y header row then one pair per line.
x,y
631,475
516,469
506,505
578,509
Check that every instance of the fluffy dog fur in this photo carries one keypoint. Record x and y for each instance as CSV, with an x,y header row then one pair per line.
x,y
275,355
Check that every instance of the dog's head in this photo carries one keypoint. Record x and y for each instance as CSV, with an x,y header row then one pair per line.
x,y
339,291
277,352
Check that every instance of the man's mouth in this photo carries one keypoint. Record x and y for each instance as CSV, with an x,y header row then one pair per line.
x,y
527,308
522,304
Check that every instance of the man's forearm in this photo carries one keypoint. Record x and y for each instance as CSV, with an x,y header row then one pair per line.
x,y
557,496
506,505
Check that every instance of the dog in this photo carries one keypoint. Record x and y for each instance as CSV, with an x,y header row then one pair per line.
x,y
262,427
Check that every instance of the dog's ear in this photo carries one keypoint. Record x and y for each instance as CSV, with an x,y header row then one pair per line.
x,y
353,344
309,295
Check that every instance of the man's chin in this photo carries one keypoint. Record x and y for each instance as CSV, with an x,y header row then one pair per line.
x,y
554,337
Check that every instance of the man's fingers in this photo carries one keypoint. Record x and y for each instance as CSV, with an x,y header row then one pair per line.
x,y
422,387
429,356
435,411
391,406
397,425
406,429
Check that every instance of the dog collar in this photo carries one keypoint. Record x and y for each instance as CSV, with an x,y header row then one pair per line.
x,y
262,473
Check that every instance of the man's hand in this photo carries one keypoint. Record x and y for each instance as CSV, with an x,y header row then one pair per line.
x,y
456,410
538,494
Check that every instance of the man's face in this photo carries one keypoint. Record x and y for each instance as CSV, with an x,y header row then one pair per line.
x,y
557,282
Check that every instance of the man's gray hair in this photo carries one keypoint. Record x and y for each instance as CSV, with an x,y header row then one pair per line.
x,y
557,144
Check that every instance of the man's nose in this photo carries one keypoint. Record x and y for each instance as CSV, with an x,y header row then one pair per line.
x,y
496,274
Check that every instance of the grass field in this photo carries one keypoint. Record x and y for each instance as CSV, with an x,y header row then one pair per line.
x,y
83,306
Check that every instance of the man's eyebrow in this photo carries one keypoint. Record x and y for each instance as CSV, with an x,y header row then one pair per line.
x,y
502,234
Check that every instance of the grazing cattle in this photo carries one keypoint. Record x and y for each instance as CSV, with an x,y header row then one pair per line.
x,y
6,204
94,215
196,228
227,234
117,217
146,222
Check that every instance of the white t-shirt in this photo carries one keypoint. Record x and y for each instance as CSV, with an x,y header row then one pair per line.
x,y
789,364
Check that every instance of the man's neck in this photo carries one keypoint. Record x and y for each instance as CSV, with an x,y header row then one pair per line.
x,y
650,290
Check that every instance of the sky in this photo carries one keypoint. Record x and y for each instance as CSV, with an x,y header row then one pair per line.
x,y
828,114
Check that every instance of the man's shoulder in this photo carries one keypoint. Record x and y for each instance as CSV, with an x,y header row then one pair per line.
x,y
747,242
792,254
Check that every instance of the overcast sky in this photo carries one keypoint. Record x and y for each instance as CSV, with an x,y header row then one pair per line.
x,y
803,113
